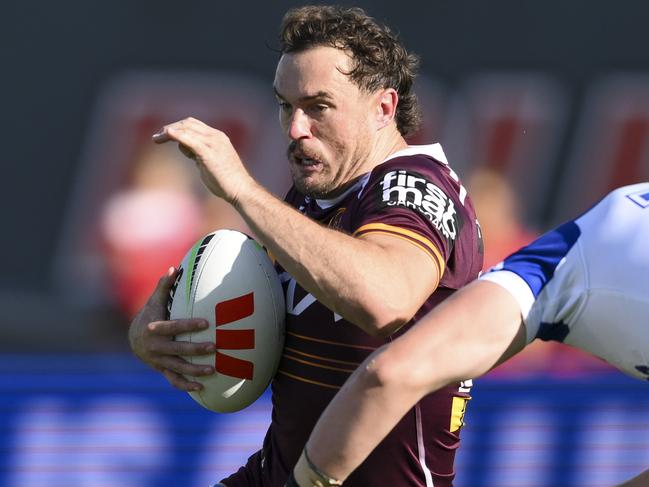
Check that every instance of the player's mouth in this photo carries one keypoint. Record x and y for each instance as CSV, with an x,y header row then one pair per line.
x,y
308,165
306,162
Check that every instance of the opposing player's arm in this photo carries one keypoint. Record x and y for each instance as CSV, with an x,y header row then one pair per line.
x,y
641,480
465,336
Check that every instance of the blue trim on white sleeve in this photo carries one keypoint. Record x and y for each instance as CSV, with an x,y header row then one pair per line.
x,y
536,263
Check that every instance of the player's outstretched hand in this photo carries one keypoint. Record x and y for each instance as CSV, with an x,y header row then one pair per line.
x,y
151,337
217,160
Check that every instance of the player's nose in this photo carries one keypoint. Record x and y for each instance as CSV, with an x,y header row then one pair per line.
x,y
299,125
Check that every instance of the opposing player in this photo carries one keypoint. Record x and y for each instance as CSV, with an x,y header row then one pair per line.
x,y
583,284
373,234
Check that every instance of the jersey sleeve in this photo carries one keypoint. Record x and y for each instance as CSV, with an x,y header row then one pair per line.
x,y
527,272
413,198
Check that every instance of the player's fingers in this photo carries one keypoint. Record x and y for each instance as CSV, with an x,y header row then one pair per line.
x,y
179,365
191,142
169,132
190,133
166,281
187,152
180,382
186,348
176,327
195,126
161,136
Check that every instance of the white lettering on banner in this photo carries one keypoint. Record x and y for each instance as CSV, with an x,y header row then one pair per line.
x,y
401,188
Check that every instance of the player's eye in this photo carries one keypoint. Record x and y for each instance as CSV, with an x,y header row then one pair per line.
x,y
284,107
319,108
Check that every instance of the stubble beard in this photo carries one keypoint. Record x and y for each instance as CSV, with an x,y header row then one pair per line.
x,y
313,189
328,184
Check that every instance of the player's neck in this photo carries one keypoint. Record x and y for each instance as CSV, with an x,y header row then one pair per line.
x,y
386,144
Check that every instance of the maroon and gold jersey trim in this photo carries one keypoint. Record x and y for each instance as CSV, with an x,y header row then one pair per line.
x,y
314,364
409,236
458,409
320,340
319,357
309,381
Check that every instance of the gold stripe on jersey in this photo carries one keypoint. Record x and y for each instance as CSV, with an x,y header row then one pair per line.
x,y
309,381
457,412
313,364
329,342
318,357
412,237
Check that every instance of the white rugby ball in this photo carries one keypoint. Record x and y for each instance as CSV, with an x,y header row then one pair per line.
x,y
228,279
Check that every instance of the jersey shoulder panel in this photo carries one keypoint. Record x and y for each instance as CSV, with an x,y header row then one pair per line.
x,y
419,198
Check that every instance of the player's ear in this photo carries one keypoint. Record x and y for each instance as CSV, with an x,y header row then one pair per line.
x,y
386,106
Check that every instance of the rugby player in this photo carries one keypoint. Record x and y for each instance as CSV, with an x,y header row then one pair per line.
x,y
373,234
583,284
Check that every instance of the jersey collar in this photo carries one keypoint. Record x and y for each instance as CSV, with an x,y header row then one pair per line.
x,y
324,204
433,150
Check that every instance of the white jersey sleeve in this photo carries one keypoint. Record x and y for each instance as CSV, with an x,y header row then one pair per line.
x,y
586,283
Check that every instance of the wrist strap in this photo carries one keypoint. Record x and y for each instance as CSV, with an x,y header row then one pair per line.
x,y
321,479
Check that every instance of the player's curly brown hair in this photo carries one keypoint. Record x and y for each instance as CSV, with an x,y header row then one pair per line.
x,y
380,60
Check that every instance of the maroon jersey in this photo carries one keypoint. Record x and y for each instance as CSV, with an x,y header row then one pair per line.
x,y
414,196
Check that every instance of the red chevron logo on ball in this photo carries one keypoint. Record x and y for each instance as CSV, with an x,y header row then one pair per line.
x,y
228,312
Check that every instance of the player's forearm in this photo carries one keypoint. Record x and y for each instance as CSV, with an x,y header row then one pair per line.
x,y
350,276
364,411
462,338
370,404
641,480
380,392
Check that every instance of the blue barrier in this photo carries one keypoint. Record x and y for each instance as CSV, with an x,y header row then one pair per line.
x,y
107,420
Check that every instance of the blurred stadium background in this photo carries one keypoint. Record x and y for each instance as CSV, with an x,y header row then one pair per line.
x,y
542,107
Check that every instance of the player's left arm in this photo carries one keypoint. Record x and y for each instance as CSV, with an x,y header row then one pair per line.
x,y
465,336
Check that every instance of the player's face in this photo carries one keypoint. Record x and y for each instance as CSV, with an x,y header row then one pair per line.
x,y
328,120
